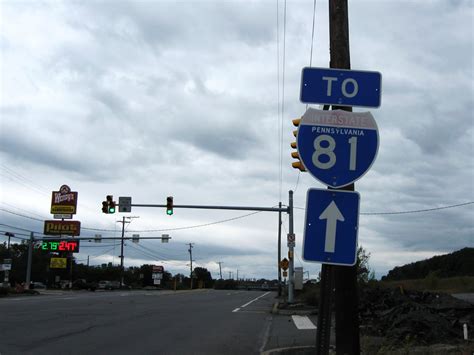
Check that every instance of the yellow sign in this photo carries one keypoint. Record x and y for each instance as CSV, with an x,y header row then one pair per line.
x,y
284,264
61,209
58,263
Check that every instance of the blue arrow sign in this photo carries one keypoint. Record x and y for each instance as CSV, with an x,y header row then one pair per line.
x,y
341,87
337,147
331,227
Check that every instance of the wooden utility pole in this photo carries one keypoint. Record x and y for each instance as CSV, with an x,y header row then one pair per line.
x,y
345,277
190,250
220,268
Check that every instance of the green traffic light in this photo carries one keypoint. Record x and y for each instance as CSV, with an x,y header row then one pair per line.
x,y
169,212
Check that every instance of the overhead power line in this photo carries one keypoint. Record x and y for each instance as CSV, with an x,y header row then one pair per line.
x,y
408,212
228,219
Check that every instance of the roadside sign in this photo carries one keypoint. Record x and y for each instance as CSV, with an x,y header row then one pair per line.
x,y
284,264
60,245
64,201
62,227
125,204
157,268
58,263
5,267
337,147
62,216
341,87
331,227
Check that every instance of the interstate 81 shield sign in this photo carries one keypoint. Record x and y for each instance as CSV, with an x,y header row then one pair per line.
x,y
337,147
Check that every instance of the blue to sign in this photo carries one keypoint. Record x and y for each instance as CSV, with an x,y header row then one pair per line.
x,y
331,227
341,87
337,147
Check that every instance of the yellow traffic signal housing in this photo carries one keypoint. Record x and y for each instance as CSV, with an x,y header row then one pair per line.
x,y
297,164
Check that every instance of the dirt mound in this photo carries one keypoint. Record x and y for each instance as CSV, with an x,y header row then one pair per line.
x,y
420,318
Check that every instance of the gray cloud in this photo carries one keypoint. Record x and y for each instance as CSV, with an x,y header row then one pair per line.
x,y
151,99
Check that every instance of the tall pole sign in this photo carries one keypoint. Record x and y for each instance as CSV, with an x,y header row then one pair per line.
x,y
63,206
337,148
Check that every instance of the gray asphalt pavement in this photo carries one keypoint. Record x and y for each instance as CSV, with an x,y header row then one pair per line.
x,y
137,322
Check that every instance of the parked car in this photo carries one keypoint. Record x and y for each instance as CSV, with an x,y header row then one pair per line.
x,y
82,284
35,285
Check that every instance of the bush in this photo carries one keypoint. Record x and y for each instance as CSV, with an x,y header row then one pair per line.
x,y
225,285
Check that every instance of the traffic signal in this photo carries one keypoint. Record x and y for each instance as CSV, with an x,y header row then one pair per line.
x,y
169,205
297,164
105,207
110,204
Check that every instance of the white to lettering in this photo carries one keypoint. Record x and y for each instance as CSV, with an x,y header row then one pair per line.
x,y
330,79
344,91
354,83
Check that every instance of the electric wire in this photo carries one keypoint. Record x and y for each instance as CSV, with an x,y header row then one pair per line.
x,y
22,180
408,212
280,123
232,219
282,97
310,65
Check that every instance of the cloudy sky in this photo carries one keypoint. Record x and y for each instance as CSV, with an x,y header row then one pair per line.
x,y
194,100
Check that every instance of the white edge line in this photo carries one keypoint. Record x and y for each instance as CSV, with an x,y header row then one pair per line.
x,y
245,305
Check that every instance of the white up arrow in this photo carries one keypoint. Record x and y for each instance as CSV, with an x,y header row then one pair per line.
x,y
331,214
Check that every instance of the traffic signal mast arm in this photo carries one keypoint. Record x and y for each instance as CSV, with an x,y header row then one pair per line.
x,y
236,208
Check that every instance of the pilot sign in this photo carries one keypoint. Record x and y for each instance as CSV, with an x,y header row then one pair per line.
x,y
337,147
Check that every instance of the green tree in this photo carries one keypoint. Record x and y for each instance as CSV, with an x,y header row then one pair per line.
x,y
364,273
202,274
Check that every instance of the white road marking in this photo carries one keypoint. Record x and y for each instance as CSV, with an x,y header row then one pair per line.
x,y
303,322
245,305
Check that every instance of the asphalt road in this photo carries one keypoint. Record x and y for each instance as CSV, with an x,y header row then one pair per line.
x,y
136,322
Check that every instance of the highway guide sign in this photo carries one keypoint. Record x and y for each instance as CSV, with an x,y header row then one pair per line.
x,y
341,87
331,227
337,147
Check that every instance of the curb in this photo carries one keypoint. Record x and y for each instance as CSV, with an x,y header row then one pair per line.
x,y
290,312
291,350
275,309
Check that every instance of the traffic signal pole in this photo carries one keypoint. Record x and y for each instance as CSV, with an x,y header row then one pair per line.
x,y
279,250
291,283
170,205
